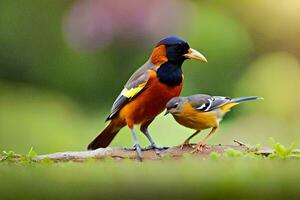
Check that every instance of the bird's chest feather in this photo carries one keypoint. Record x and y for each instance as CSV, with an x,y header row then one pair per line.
x,y
190,118
158,94
151,101
170,74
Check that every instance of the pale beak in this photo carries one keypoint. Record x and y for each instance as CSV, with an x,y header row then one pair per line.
x,y
193,54
167,112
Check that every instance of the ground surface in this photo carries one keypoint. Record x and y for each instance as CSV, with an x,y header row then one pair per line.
x,y
233,174
121,153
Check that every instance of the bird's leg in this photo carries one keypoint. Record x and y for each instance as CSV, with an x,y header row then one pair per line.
x,y
144,129
187,141
136,146
201,145
152,143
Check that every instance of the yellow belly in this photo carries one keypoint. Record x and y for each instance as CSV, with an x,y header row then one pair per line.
x,y
191,118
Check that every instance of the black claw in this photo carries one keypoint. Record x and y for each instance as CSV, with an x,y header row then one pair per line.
x,y
154,147
133,148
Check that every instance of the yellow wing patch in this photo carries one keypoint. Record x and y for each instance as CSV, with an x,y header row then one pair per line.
x,y
129,93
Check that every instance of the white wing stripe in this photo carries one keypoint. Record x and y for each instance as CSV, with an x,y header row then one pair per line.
x,y
200,107
209,105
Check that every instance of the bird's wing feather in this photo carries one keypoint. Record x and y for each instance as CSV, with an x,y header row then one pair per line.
x,y
134,86
206,103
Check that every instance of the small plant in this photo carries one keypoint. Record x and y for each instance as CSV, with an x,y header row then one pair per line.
x,y
214,156
281,151
29,156
12,157
9,156
230,152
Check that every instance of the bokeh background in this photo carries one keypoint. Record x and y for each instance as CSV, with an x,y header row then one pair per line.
x,y
62,64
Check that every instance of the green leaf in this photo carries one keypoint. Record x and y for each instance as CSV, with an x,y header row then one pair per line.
x,y
230,152
31,154
214,156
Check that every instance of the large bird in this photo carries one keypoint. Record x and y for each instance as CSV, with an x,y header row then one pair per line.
x,y
147,92
201,112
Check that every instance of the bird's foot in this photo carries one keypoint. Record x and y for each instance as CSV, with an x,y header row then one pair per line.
x,y
184,144
200,147
133,148
155,148
138,150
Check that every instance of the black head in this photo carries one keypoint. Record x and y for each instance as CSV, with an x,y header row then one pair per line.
x,y
169,55
176,48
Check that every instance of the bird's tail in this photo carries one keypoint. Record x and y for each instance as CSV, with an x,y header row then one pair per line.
x,y
236,101
106,136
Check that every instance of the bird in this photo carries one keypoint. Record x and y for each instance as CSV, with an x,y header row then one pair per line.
x,y
147,92
200,112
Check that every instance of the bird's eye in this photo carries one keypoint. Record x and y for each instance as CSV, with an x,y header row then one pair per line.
x,y
175,105
178,49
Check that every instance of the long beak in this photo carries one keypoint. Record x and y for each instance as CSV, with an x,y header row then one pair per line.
x,y
167,112
193,54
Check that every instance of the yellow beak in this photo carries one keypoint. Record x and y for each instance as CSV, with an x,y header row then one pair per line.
x,y
193,54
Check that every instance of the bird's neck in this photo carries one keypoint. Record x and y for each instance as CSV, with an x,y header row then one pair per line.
x,y
170,73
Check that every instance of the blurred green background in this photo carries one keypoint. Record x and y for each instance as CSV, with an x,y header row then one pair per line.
x,y
62,64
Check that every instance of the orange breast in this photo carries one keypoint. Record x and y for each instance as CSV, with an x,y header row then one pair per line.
x,y
150,102
191,118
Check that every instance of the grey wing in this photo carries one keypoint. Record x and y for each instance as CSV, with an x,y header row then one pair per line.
x,y
206,103
138,73
134,86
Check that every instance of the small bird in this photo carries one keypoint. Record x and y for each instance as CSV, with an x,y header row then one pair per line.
x,y
147,92
201,112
